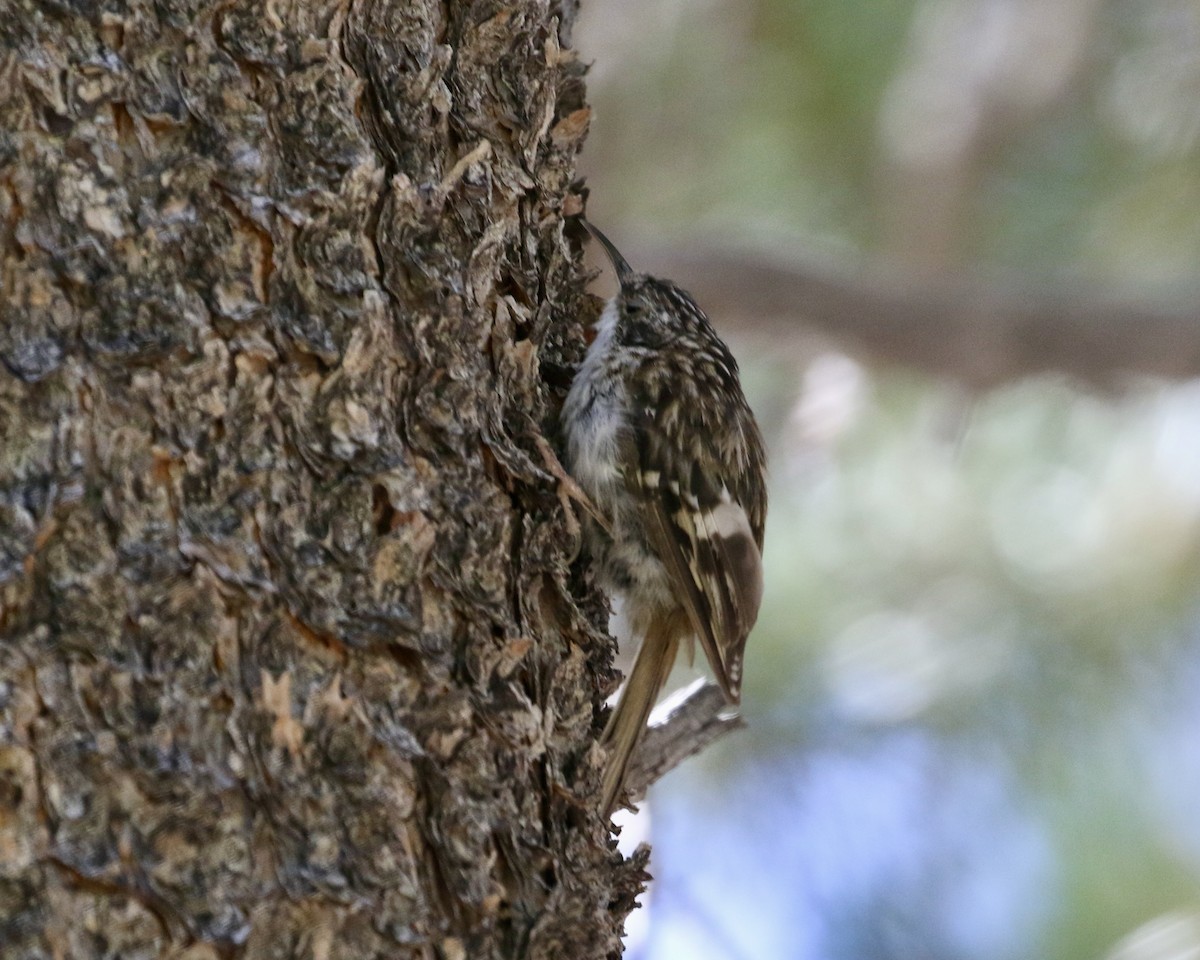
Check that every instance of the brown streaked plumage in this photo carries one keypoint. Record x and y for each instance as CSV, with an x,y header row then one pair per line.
x,y
660,437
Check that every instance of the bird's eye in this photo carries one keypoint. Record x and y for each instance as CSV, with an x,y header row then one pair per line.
x,y
633,308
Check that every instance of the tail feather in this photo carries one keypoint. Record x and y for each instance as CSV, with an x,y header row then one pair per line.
x,y
651,667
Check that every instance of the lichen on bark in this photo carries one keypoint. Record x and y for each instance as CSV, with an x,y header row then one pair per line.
x,y
293,662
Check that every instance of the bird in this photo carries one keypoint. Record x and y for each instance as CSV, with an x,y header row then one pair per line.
x,y
660,438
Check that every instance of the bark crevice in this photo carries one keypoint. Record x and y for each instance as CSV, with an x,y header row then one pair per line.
x,y
294,661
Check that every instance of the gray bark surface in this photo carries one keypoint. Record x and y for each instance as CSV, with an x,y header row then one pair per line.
x,y
292,659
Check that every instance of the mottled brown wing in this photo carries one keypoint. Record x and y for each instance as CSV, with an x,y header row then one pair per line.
x,y
709,547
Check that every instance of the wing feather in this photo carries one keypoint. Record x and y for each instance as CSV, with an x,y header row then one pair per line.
x,y
710,552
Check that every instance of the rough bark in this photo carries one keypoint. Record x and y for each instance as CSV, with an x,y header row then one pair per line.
x,y
293,662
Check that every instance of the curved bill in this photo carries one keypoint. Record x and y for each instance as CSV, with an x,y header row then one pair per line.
x,y
624,271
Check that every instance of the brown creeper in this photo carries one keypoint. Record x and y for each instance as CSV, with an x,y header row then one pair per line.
x,y
660,437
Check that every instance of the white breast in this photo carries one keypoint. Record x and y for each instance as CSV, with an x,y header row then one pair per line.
x,y
594,413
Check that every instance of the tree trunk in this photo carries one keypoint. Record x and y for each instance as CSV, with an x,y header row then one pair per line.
x,y
292,661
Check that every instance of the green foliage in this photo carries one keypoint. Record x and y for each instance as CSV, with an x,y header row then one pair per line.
x,y
1012,575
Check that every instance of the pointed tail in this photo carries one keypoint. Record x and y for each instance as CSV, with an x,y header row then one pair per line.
x,y
651,667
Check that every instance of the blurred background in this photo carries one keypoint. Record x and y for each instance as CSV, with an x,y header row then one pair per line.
x,y
954,245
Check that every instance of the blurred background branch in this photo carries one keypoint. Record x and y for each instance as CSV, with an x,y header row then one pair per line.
x,y
980,333
930,229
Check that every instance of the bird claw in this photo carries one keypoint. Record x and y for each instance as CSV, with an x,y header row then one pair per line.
x,y
569,490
